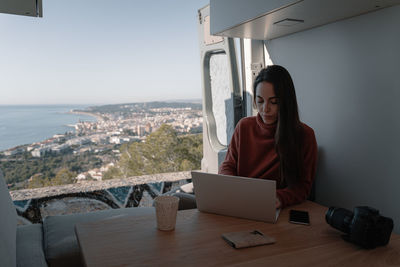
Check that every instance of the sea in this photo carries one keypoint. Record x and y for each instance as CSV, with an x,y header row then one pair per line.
x,y
20,125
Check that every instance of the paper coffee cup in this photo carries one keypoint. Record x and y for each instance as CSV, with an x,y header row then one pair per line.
x,y
166,209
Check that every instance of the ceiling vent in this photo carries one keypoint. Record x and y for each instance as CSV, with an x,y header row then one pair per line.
x,y
288,22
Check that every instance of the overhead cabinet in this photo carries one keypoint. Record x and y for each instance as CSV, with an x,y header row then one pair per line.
x,y
32,8
269,19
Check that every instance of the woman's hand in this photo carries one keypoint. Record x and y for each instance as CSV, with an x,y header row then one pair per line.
x,y
278,203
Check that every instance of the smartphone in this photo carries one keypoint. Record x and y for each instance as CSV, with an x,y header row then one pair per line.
x,y
299,217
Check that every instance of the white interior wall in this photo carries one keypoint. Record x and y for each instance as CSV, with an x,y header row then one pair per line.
x,y
347,79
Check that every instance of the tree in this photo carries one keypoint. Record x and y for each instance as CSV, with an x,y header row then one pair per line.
x,y
112,173
37,181
190,151
132,162
162,151
63,176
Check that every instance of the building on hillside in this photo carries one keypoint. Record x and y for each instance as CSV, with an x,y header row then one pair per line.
x,y
140,130
148,128
13,151
38,152
96,174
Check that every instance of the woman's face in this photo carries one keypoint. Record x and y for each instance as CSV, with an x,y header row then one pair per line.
x,y
267,102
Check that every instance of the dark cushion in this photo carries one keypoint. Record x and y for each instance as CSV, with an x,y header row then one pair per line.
x,y
30,246
186,201
60,243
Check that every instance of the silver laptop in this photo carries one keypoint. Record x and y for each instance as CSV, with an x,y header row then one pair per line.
x,y
236,196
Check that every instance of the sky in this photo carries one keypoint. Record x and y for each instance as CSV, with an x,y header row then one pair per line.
x,y
101,52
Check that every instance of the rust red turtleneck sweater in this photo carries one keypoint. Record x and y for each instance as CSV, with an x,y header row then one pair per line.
x,y
251,153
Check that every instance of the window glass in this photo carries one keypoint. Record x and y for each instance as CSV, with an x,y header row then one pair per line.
x,y
222,105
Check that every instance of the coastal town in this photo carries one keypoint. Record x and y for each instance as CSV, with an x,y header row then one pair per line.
x,y
115,125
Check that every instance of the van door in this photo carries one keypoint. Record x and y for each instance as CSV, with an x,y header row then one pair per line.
x,y
222,100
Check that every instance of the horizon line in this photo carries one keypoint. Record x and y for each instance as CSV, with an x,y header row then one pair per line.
x,y
103,104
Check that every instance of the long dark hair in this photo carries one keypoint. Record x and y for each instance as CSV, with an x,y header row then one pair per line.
x,y
289,129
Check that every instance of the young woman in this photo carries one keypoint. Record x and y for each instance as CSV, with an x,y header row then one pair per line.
x,y
274,144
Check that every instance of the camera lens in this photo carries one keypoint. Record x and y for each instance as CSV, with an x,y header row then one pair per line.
x,y
339,218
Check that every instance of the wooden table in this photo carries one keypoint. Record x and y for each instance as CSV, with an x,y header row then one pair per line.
x,y
196,241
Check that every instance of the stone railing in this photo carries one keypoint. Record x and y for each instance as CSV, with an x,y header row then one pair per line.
x,y
33,205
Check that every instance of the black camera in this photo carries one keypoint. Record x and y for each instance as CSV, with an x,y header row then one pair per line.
x,y
365,227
